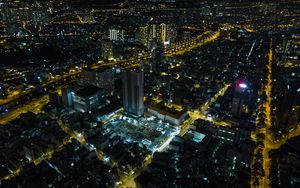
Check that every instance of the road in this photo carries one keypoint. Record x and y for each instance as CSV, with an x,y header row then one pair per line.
x,y
79,137
44,156
177,49
187,45
34,106
200,40
200,114
43,85
128,180
264,180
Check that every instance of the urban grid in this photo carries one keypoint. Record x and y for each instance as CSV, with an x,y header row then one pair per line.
x,y
149,93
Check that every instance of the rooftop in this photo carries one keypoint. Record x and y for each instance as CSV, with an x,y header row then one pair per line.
x,y
172,112
88,91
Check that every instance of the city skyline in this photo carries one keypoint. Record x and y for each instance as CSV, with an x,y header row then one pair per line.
x,y
149,93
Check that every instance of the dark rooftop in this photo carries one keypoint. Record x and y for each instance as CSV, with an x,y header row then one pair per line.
x,y
88,91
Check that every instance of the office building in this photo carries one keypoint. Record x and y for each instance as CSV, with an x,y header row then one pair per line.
x,y
116,34
102,78
117,50
67,98
89,98
288,113
107,49
133,92
163,33
237,106
142,35
55,99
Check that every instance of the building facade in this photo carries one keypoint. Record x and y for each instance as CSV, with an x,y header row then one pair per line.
x,y
103,78
116,34
89,98
133,92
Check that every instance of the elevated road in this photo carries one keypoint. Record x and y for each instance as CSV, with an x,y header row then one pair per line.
x,y
21,103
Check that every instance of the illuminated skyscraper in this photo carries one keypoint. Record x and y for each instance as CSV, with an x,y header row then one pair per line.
x,y
67,98
142,35
116,34
163,33
133,92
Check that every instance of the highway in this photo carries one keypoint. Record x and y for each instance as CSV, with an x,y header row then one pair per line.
x,y
44,85
187,45
177,49
34,106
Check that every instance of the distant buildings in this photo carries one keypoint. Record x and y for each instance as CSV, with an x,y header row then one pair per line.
x,y
133,92
116,34
154,34
142,35
107,49
112,49
103,78
89,98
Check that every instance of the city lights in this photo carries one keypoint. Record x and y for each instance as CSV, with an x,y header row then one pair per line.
x,y
243,85
156,93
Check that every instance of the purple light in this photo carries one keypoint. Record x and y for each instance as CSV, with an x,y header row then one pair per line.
x,y
242,85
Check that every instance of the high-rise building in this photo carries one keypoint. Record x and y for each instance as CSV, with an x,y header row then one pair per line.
x,y
118,50
133,92
158,53
67,98
55,98
163,33
107,49
242,103
288,113
237,106
142,35
116,34
112,49
102,78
